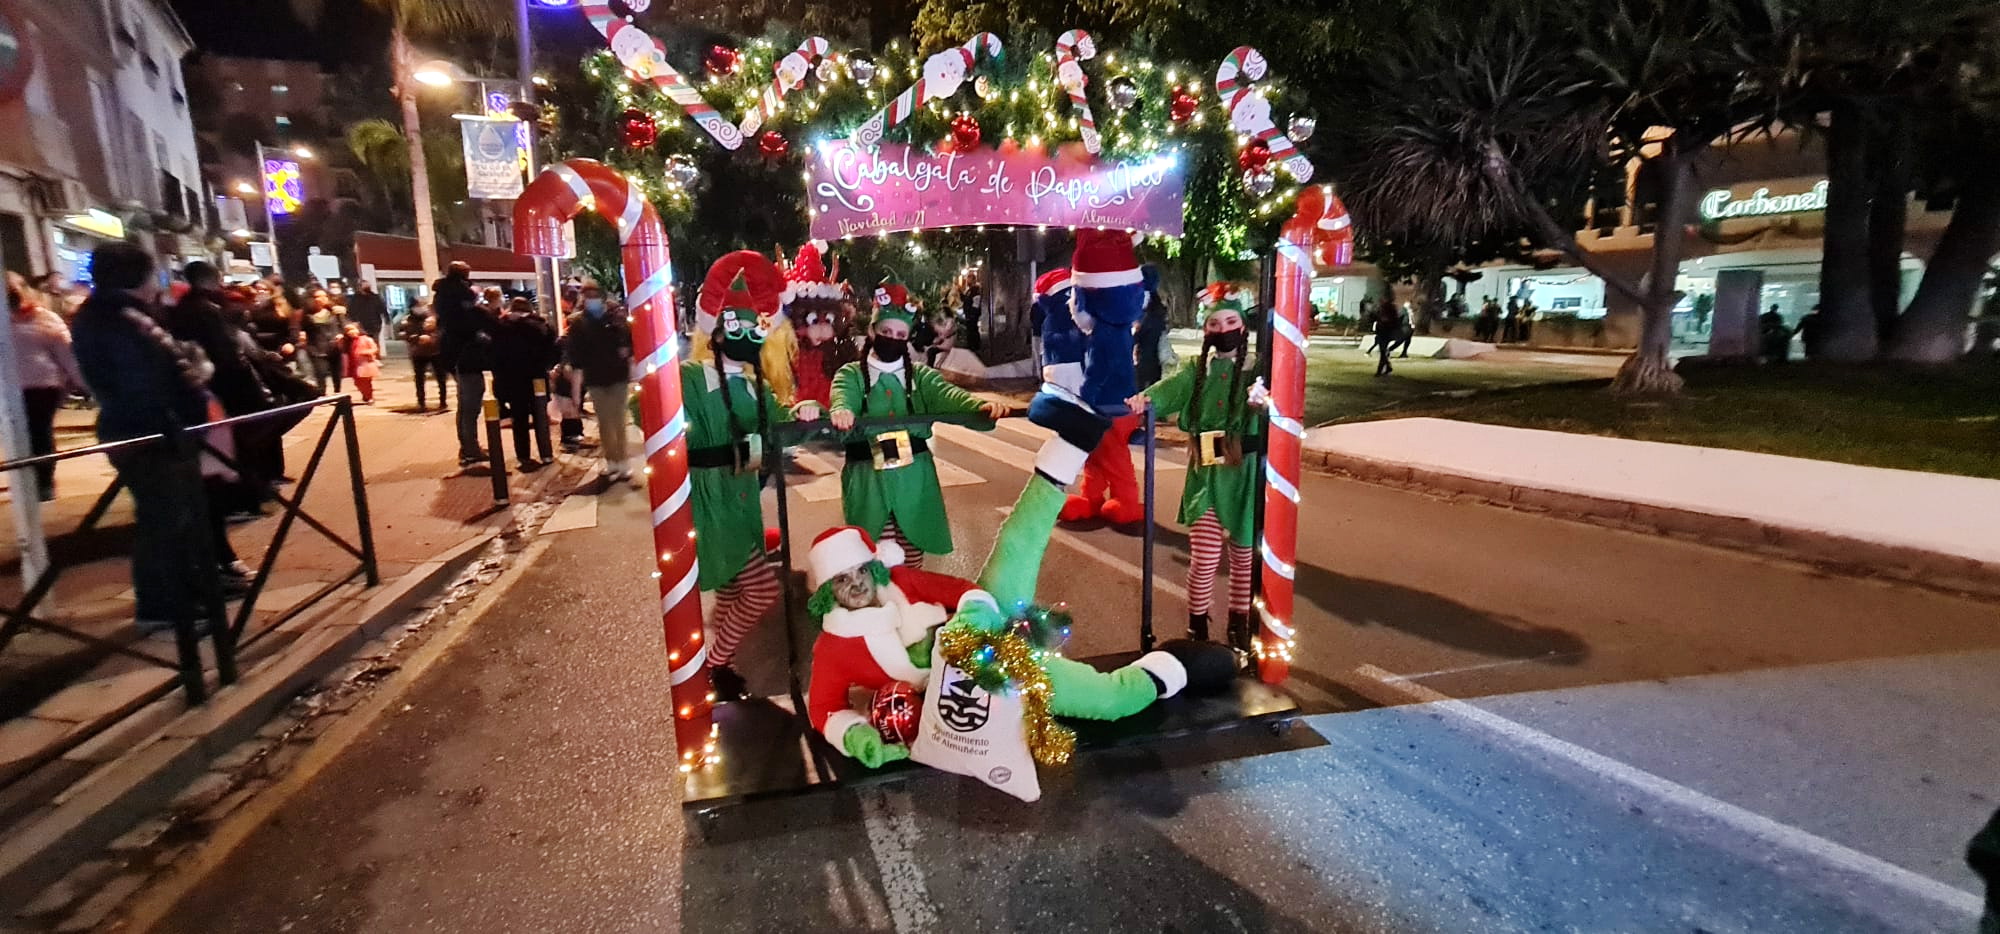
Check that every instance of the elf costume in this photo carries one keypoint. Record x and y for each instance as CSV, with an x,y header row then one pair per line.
x,y
1110,299
1217,406
820,313
729,411
890,483
892,640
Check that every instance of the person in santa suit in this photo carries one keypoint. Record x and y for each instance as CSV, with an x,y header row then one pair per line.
x,y
890,484
1219,409
877,616
820,314
730,411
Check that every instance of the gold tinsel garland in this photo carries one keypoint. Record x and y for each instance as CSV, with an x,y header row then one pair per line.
x,y
1013,662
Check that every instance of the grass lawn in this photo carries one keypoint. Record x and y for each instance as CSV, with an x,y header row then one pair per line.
x,y
1341,384
1943,421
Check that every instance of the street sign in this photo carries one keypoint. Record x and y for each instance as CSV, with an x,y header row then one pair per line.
x,y
262,255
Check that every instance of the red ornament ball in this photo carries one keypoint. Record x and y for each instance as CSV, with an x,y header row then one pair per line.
x,y
722,60
964,132
773,144
1182,105
1254,157
894,712
639,129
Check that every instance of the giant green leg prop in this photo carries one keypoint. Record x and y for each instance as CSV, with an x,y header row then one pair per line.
x,y
1086,693
1016,561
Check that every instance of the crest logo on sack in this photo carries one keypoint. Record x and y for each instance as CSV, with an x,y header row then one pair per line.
x,y
961,708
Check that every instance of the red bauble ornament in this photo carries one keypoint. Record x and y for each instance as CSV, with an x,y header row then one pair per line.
x,y
964,132
1254,157
639,129
773,144
1183,105
894,711
722,60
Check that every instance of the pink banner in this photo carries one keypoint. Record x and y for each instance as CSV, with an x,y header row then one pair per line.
x,y
855,192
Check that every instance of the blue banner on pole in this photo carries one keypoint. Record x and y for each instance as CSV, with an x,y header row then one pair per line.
x,y
492,158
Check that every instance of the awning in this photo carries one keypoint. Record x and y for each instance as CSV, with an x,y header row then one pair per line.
x,y
398,258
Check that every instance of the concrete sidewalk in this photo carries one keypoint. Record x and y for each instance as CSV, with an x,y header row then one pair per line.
x,y
1932,529
60,693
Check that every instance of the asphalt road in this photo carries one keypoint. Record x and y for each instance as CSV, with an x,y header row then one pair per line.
x,y
1650,735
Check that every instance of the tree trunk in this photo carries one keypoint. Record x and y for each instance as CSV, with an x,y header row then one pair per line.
x,y
1651,369
1843,276
1430,299
1888,215
1933,330
420,180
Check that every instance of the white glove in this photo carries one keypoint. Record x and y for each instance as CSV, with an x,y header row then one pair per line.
x,y
1258,396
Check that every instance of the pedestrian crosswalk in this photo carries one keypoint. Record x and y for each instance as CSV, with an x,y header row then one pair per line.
x,y
992,446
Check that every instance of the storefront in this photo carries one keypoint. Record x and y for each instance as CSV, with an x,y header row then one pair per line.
x,y
396,268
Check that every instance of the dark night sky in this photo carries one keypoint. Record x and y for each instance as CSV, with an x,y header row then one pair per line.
x,y
268,29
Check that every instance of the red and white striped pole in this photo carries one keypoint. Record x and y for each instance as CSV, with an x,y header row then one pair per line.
x,y
1319,228
555,197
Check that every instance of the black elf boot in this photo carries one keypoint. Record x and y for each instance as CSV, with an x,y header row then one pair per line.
x,y
1198,627
728,685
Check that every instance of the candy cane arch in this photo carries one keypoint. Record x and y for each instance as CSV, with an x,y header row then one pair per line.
x,y
555,197
950,68
1319,227
1073,48
790,76
1250,113
646,58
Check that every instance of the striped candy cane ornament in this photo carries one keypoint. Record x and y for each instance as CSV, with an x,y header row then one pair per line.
x,y
555,197
1250,113
1072,49
644,56
791,74
943,74
1307,232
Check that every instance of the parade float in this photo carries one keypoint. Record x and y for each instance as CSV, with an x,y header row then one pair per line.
x,y
973,137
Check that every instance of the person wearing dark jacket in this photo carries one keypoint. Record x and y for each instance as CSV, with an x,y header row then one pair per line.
x,y
1152,353
524,348
367,310
147,383
465,338
419,332
599,345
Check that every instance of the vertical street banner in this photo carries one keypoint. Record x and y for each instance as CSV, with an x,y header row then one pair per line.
x,y
492,158
284,187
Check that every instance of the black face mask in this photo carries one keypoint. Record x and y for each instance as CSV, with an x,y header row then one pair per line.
x,y
1224,341
742,349
889,349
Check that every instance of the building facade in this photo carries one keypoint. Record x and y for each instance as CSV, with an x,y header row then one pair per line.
x,y
100,144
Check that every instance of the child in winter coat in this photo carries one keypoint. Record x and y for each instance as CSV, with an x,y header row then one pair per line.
x,y
364,362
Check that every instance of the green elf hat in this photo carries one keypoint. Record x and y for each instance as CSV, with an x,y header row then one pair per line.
x,y
1224,296
892,303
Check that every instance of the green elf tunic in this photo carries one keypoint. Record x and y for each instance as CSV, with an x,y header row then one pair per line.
x,y
908,494
728,503
1230,490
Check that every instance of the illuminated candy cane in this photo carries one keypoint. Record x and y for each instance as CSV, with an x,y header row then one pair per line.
x,y
1250,113
1320,227
943,74
1073,48
646,58
554,198
791,75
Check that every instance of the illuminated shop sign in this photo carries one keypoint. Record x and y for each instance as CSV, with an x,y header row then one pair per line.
x,y
1721,205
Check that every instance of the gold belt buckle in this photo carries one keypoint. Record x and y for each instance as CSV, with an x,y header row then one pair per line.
x,y
1210,448
892,449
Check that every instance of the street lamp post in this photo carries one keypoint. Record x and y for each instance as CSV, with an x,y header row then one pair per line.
x,y
271,220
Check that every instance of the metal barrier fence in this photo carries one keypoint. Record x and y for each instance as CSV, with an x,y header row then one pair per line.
x,y
228,635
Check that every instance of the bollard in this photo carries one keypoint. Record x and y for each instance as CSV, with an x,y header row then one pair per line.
x,y
495,460
540,419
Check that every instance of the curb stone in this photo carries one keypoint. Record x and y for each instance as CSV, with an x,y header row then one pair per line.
x,y
1836,554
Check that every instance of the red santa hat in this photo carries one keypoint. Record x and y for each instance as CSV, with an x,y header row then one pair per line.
x,y
1051,282
807,277
843,548
746,282
1105,259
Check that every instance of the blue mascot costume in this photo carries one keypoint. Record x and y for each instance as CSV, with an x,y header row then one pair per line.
x,y
1110,300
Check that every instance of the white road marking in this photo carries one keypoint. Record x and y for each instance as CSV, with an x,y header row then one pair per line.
x,y
1784,836
1506,663
576,512
1012,455
826,488
811,461
892,836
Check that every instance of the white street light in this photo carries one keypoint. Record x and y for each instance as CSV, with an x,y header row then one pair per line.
x,y
437,73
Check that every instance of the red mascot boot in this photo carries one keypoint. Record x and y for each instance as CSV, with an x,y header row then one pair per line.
x,y
1113,462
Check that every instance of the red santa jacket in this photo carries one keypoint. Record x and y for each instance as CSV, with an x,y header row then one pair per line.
x,y
868,648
